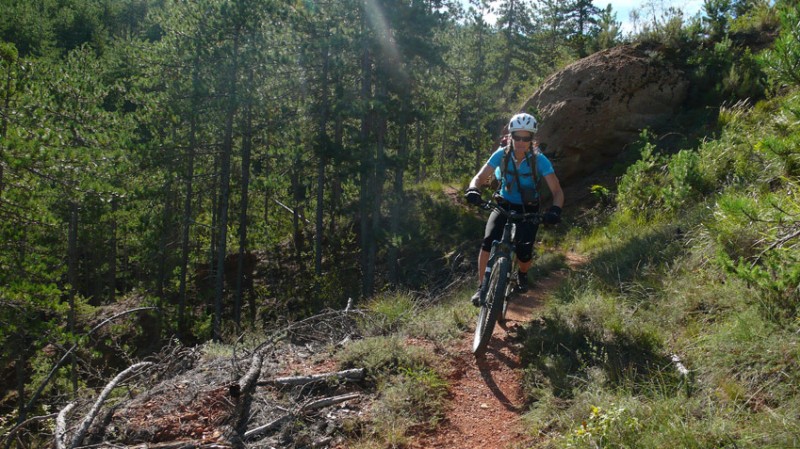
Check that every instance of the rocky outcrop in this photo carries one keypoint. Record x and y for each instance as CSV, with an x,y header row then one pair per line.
x,y
591,110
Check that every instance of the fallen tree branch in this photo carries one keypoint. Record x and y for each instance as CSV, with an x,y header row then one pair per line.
x,y
274,425
277,423
324,402
247,386
351,375
61,425
87,421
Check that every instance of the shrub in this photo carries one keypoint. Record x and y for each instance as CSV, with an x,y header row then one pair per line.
x,y
387,314
603,426
384,356
640,188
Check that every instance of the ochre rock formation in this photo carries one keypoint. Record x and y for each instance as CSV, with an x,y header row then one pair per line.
x,y
591,110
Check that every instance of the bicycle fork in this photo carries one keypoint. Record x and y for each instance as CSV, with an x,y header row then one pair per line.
x,y
497,247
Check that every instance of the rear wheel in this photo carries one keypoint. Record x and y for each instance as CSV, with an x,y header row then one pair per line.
x,y
492,307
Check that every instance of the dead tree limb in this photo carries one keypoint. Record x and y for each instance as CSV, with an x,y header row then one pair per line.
x,y
50,375
87,421
277,423
351,375
274,425
324,402
247,386
61,425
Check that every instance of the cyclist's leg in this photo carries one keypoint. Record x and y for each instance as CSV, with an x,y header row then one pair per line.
x,y
523,247
483,261
492,232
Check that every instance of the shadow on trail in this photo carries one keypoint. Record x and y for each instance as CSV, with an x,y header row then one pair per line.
x,y
561,353
491,362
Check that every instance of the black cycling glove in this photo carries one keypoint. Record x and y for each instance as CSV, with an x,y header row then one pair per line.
x,y
473,196
552,216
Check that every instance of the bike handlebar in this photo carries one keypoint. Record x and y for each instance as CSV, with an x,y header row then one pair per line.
x,y
512,215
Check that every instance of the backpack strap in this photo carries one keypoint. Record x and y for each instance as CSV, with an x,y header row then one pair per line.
x,y
534,167
504,168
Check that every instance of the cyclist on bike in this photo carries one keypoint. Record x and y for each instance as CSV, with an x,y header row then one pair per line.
x,y
519,167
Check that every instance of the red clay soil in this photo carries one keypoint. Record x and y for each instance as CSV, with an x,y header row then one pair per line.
x,y
486,399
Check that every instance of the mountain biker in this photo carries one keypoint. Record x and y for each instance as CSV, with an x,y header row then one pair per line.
x,y
512,166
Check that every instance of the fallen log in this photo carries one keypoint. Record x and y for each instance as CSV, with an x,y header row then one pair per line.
x,y
246,388
351,375
274,425
324,402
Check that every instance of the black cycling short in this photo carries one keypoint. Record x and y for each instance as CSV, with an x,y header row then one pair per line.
x,y
524,236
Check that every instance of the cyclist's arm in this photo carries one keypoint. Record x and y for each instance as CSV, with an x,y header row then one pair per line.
x,y
555,189
483,177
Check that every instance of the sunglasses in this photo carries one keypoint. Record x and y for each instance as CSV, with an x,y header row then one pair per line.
x,y
524,139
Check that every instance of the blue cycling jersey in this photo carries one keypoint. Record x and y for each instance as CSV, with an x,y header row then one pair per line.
x,y
509,190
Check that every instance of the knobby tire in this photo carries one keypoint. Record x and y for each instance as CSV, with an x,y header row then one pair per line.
x,y
511,282
492,307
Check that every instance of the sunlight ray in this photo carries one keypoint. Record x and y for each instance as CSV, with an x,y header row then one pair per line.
x,y
384,33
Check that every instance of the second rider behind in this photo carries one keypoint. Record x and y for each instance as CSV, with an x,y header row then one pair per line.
x,y
519,167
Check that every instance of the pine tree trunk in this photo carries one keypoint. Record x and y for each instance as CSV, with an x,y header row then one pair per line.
x,y
321,162
478,99
224,193
376,194
189,186
398,195
187,220
4,123
336,183
166,219
72,278
365,205
298,216
247,145
112,256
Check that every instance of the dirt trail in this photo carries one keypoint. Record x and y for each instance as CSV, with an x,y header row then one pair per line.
x,y
486,399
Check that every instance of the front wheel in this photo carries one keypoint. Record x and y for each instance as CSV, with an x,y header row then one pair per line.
x,y
512,281
492,306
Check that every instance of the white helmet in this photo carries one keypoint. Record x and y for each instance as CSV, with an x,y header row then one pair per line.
x,y
522,122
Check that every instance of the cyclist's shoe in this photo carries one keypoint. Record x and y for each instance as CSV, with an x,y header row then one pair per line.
x,y
476,298
522,282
